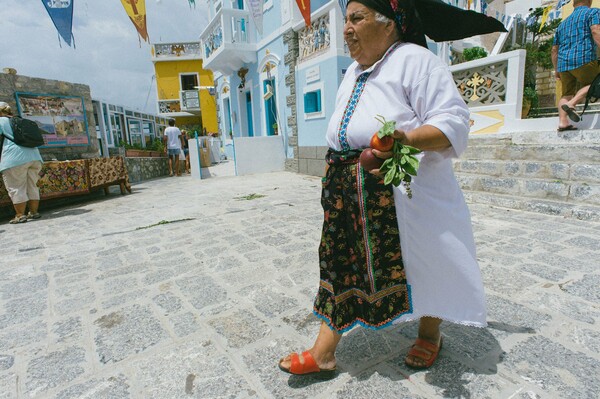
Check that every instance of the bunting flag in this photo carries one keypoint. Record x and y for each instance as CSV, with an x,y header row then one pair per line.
x,y
256,9
343,5
61,13
136,10
544,17
561,3
304,6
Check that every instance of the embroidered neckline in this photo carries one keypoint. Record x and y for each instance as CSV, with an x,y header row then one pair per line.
x,y
357,90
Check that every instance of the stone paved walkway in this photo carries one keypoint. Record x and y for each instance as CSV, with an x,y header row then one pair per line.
x,y
101,300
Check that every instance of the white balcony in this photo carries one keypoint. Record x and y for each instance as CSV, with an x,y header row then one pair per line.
x,y
176,51
190,100
229,42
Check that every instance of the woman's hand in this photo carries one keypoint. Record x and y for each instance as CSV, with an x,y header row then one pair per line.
x,y
398,135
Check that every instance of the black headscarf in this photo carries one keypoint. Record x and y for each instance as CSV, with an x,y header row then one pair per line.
x,y
434,18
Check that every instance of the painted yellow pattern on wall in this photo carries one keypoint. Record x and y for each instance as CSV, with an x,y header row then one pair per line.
x,y
489,115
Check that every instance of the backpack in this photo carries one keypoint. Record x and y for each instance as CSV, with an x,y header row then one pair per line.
x,y
26,132
593,93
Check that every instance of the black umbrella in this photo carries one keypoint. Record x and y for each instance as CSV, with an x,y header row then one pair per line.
x,y
442,22
436,19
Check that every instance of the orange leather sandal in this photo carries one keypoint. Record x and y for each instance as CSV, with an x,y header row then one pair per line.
x,y
429,356
309,367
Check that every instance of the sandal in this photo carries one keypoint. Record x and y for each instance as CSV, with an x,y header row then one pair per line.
x,y
18,219
571,113
428,355
309,367
33,216
565,128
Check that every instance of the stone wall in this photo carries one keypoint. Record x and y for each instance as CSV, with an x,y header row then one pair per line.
x,y
311,160
546,88
11,83
141,169
290,39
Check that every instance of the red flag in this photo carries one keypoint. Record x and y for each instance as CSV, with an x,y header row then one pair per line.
x,y
304,6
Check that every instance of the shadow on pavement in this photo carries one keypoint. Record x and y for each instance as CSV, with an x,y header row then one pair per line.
x,y
467,356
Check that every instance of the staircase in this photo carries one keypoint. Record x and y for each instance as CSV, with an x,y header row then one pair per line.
x,y
547,172
593,108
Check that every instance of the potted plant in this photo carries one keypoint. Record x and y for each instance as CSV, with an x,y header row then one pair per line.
x,y
538,48
530,101
275,128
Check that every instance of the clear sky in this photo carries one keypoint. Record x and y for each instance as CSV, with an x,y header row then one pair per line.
x,y
108,56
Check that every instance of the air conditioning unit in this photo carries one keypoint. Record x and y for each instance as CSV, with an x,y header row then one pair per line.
x,y
268,92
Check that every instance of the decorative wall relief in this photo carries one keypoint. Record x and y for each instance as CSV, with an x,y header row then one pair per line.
x,y
485,85
314,39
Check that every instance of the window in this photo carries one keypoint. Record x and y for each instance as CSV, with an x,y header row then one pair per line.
x,y
312,102
189,82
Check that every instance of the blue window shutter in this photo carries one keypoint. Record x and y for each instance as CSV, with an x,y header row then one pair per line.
x,y
318,95
312,102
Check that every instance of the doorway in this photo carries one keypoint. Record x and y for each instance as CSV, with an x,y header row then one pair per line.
x,y
270,106
227,117
249,119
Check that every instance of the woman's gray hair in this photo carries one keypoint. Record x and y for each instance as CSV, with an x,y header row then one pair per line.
x,y
381,18
5,108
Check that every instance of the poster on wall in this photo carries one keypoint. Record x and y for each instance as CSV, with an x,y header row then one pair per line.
x,y
62,118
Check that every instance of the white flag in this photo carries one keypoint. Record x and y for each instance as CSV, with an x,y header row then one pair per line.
x,y
256,9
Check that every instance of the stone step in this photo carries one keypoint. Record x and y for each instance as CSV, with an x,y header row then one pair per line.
x,y
548,172
570,153
546,112
587,137
580,193
549,207
556,171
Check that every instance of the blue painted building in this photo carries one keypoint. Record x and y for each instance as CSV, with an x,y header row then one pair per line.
x,y
282,81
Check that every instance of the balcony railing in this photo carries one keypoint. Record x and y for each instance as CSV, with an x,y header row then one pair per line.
x,y
164,51
169,106
228,42
190,100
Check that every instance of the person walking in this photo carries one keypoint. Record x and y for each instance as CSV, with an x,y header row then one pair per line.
x,y
173,146
575,60
20,168
386,258
186,150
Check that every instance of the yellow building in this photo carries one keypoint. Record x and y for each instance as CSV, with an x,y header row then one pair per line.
x,y
185,90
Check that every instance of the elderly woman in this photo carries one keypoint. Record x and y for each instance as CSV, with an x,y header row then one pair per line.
x,y
386,258
20,168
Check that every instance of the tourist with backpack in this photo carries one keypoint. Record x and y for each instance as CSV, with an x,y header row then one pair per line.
x,y
20,166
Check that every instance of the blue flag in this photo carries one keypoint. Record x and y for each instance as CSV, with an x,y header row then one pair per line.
x,y
561,3
61,13
343,4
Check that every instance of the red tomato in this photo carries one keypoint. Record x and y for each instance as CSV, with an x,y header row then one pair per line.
x,y
382,144
369,161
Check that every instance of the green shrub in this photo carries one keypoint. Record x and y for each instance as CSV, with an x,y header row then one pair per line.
x,y
531,95
474,53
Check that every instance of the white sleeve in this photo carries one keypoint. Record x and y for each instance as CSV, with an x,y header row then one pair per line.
x,y
436,101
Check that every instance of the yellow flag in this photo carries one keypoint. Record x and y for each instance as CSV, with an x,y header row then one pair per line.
x,y
545,17
136,9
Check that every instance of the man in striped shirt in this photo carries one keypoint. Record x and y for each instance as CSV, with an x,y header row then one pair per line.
x,y
575,60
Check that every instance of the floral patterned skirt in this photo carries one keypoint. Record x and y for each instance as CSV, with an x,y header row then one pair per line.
x,y
362,274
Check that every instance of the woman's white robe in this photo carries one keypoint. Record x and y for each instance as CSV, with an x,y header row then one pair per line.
x,y
413,87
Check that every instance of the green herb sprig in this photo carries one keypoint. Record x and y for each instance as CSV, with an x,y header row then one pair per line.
x,y
403,164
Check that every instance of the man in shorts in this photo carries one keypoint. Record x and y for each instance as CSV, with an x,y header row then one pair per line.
x,y
173,146
575,60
